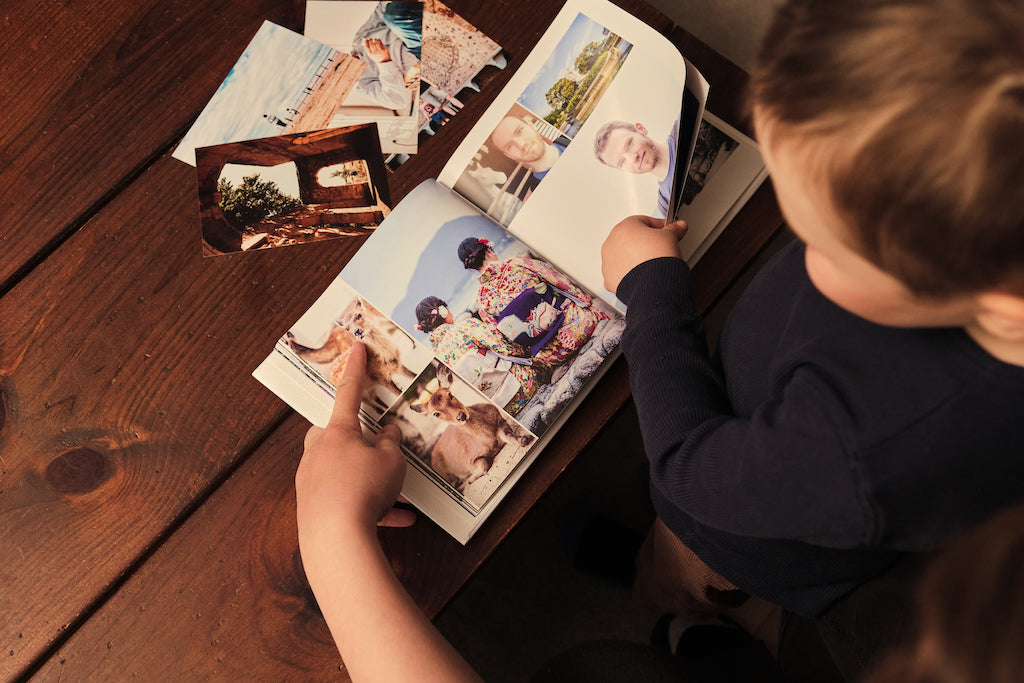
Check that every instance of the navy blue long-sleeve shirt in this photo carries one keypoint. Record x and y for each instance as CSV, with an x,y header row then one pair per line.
x,y
822,446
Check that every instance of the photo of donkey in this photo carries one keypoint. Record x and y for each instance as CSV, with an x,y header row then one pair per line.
x,y
465,439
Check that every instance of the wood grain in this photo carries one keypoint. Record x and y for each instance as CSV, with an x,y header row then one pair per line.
x,y
225,597
93,92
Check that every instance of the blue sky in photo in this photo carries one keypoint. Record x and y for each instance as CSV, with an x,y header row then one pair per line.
x,y
582,32
414,254
268,78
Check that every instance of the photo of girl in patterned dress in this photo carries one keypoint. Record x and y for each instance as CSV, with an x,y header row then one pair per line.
x,y
501,369
538,289
501,317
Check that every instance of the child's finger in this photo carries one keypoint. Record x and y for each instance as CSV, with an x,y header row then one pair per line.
x,y
398,517
390,432
677,227
350,391
649,221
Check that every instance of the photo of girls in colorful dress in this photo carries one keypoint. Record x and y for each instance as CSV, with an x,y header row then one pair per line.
x,y
502,318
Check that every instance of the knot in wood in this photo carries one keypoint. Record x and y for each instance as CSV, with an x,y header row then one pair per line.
x,y
78,471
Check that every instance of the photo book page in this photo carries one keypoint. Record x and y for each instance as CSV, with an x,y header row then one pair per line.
x,y
479,297
477,350
592,127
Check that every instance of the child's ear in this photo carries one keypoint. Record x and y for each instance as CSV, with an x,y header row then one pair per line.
x,y
1002,315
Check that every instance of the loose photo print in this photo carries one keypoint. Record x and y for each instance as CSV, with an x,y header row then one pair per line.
x,y
507,322
291,189
387,38
466,441
287,83
320,342
532,136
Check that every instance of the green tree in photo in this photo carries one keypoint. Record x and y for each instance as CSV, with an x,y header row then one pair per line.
x,y
585,60
561,92
555,118
254,200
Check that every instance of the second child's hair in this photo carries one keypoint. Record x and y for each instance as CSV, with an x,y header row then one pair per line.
x,y
920,104
970,611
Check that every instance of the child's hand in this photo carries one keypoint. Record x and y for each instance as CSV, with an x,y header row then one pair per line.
x,y
344,484
635,240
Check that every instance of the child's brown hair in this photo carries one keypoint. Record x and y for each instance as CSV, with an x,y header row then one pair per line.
x,y
923,103
970,607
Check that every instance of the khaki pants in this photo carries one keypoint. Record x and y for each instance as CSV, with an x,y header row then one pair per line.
x,y
673,579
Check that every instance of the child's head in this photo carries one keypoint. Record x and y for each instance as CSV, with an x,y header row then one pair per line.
x,y
970,607
905,119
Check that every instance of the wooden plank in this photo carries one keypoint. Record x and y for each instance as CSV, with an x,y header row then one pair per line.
x,y
125,371
93,91
226,599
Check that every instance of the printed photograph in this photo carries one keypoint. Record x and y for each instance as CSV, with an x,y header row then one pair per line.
x,y
505,320
726,169
532,136
291,189
630,148
713,147
576,75
287,83
454,51
323,337
452,54
511,163
387,39
463,438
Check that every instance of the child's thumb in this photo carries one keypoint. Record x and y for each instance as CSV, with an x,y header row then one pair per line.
x,y
677,227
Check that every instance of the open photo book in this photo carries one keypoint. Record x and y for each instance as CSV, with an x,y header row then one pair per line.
x,y
479,297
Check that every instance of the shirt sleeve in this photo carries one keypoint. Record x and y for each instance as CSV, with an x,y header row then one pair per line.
x,y
781,472
388,87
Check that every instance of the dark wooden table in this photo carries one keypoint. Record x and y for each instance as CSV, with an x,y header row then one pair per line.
x,y
146,492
